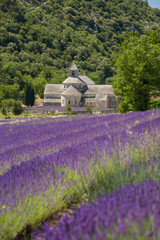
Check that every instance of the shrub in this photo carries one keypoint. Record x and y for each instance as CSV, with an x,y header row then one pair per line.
x,y
3,111
96,110
68,108
7,103
17,108
88,108
71,117
155,104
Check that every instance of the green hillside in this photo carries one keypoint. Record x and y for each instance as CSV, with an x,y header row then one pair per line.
x,y
39,40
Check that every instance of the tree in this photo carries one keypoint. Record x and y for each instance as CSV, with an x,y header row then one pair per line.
x,y
29,95
39,84
17,108
4,111
138,73
26,95
32,97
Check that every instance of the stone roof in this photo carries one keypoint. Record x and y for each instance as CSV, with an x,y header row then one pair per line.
x,y
73,80
71,91
99,89
86,80
53,89
73,67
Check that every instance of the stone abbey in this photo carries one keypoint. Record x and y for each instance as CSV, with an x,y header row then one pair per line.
x,y
79,91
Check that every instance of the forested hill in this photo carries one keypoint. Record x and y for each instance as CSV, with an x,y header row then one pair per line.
x,y
40,39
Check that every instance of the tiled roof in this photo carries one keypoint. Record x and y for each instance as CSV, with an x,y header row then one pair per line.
x,y
73,80
99,89
71,91
53,89
86,80
73,67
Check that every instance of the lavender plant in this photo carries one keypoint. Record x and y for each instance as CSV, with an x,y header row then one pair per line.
x,y
131,212
46,163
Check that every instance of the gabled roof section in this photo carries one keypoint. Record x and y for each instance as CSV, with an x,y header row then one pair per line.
x,y
53,89
71,91
73,80
73,67
99,89
86,80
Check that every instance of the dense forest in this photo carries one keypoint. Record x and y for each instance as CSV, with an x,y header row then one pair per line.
x,y
40,39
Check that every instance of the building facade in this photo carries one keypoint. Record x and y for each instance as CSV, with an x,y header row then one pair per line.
x,y
79,91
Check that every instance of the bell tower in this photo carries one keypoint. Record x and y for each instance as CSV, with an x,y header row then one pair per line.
x,y
73,71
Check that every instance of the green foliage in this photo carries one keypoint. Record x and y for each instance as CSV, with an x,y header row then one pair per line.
x,y
39,84
7,103
71,117
155,104
68,108
17,108
40,41
9,91
138,73
4,111
88,108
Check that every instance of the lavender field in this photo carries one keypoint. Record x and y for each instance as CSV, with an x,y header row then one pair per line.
x,y
108,166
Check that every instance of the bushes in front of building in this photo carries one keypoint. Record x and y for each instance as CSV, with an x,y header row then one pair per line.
x,y
68,108
17,108
88,108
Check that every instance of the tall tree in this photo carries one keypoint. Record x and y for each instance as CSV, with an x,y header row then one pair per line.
x,y
29,97
26,95
138,73
32,97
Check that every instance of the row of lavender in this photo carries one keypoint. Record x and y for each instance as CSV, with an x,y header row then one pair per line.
x,y
21,142
41,161
131,212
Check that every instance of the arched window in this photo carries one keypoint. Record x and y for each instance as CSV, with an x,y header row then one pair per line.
x,y
69,102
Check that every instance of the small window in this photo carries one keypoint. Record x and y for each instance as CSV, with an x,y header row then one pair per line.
x,y
68,102
75,102
73,73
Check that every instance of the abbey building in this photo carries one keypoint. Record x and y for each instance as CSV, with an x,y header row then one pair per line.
x,y
79,91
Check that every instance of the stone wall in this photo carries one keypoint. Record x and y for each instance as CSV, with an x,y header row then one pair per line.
x,y
111,101
73,101
51,104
